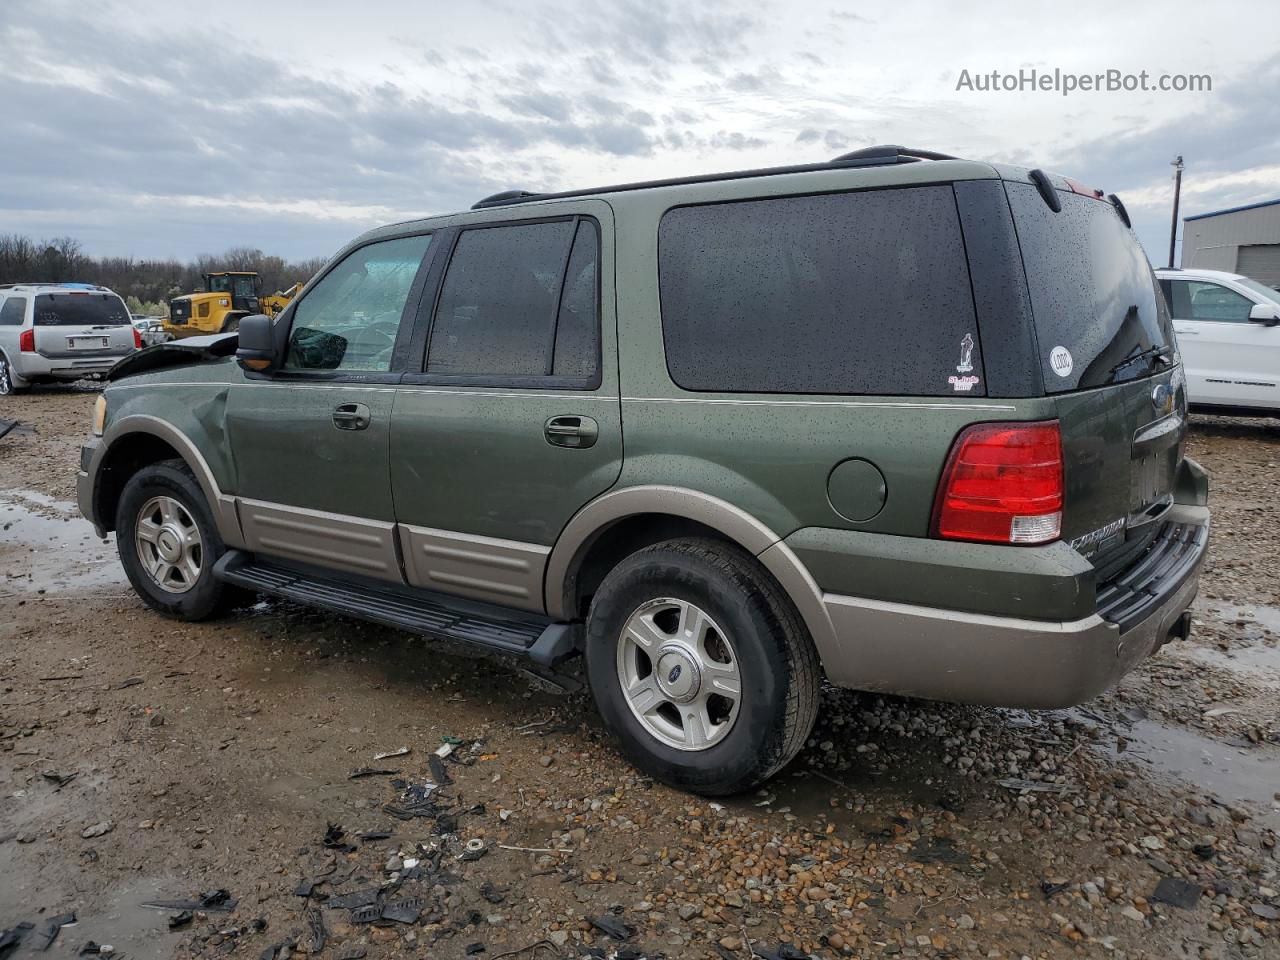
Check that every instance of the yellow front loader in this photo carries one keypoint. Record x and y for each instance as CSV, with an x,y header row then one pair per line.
x,y
228,295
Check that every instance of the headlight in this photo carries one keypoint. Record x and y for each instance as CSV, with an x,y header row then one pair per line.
x,y
99,415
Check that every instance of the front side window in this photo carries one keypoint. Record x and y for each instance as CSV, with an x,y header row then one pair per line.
x,y
520,301
350,318
851,293
1199,300
13,311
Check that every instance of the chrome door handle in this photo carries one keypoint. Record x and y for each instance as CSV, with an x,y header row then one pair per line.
x,y
351,416
576,432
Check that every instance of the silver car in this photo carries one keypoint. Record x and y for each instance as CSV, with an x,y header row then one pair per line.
x,y
60,332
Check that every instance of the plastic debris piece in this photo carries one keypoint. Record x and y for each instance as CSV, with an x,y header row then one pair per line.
x,y
403,911
366,914
361,772
11,937
474,851
61,779
1177,893
611,927
452,741
474,948
493,893
1037,786
305,887
181,919
353,900
402,751
438,771
333,835
371,835
319,933
219,900
45,937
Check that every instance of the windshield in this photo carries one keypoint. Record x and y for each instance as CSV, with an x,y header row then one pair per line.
x,y
1099,317
1269,293
80,310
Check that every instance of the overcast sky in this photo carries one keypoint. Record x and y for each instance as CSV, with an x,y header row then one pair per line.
x,y
169,128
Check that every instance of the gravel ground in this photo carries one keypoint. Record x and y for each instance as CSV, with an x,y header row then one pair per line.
x,y
145,759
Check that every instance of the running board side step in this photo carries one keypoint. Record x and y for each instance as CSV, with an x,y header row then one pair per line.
x,y
540,639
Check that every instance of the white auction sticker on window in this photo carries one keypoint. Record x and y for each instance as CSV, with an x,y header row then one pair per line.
x,y
1060,360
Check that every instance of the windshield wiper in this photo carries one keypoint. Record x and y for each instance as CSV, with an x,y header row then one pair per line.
x,y
1161,353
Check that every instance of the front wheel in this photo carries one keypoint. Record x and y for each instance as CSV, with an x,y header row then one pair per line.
x,y
701,666
168,543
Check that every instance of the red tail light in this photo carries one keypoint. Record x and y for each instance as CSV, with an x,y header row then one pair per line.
x,y
137,339
27,341
1002,484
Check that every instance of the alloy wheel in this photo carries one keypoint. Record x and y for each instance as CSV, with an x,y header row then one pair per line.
x,y
169,544
679,674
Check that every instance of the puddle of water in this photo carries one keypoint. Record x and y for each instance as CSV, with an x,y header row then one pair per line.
x,y
137,932
51,553
1231,773
1266,617
1259,664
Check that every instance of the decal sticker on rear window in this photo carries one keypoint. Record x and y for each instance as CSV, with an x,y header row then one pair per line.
x,y
962,384
1061,362
966,354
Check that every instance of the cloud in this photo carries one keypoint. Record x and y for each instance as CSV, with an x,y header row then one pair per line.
x,y
304,130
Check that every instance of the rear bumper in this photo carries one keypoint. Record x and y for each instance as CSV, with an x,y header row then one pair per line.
x,y
33,366
1005,661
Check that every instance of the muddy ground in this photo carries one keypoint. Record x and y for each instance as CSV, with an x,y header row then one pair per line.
x,y
144,759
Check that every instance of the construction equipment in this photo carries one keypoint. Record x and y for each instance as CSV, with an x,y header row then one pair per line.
x,y
228,295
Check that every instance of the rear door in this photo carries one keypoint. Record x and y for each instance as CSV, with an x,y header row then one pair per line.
x,y
81,324
1102,330
1229,360
512,422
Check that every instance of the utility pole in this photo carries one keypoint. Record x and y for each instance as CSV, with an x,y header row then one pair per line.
x,y
1177,195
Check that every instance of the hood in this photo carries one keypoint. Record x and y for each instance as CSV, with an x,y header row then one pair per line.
x,y
176,353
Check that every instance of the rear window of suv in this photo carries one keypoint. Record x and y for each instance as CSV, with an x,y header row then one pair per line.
x,y
849,293
1093,295
80,310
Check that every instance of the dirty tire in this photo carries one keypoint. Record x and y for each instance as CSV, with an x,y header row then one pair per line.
x,y
231,326
208,597
780,676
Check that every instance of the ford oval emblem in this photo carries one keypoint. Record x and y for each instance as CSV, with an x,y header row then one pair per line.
x,y
1162,399
674,675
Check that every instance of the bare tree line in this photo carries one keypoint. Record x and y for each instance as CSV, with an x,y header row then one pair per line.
x,y
143,283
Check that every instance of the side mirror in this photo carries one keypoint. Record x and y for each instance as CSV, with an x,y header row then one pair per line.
x,y
1265,313
256,349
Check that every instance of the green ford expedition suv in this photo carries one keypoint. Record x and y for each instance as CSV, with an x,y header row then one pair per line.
x,y
910,423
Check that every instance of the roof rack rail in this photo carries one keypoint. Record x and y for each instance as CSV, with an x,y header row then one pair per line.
x,y
867,157
73,284
506,196
892,152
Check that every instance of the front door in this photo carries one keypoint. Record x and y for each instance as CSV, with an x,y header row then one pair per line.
x,y
311,441
513,421
1229,361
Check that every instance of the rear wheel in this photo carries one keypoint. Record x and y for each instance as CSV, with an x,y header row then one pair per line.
x,y
231,326
168,543
9,384
701,666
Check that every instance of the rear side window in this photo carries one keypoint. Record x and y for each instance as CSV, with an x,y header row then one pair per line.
x,y
13,311
80,310
1093,294
854,293
519,301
